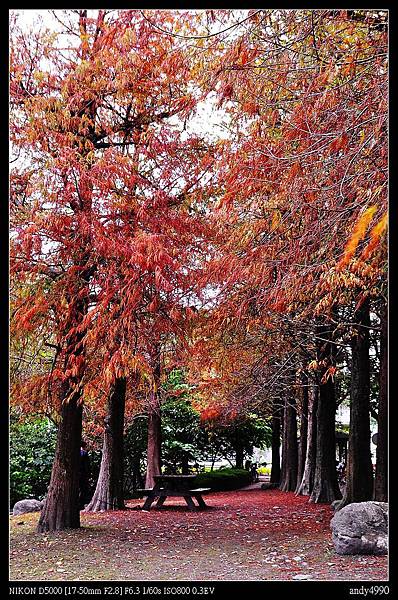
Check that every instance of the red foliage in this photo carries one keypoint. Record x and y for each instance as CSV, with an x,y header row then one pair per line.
x,y
245,534
108,226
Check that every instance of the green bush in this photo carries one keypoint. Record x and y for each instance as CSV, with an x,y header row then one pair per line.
x,y
32,448
264,470
223,479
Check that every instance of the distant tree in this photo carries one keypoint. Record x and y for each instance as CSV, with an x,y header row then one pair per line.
x,y
277,414
236,438
288,480
135,443
184,439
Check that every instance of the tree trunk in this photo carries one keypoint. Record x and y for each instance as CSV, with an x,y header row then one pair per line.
x,y
276,444
381,480
108,493
61,508
239,457
154,445
283,445
290,449
307,481
326,488
154,463
185,465
303,434
136,474
359,487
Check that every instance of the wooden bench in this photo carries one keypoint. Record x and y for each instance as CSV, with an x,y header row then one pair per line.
x,y
197,494
162,493
142,492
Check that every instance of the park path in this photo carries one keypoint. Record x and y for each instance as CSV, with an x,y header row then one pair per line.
x,y
257,485
250,534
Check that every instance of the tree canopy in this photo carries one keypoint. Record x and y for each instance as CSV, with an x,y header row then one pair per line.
x,y
246,246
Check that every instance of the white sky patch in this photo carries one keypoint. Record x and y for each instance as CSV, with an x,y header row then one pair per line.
x,y
30,17
34,19
209,120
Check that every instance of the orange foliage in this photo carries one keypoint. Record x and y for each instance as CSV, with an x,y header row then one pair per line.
x,y
375,236
358,234
209,414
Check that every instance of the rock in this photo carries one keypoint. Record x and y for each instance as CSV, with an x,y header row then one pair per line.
x,y
302,577
26,506
269,486
361,528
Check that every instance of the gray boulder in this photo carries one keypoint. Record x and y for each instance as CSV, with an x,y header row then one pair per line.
x,y
361,528
26,506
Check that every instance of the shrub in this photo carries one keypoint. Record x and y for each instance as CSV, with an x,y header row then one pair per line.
x,y
223,479
264,470
32,447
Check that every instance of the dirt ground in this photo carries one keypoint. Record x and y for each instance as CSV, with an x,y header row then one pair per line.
x,y
255,535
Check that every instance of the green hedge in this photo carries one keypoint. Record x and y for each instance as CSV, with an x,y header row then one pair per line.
x,y
32,448
223,479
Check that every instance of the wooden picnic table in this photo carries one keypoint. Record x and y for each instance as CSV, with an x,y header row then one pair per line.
x,y
177,486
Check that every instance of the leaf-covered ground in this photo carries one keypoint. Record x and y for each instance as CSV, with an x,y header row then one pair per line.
x,y
245,535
